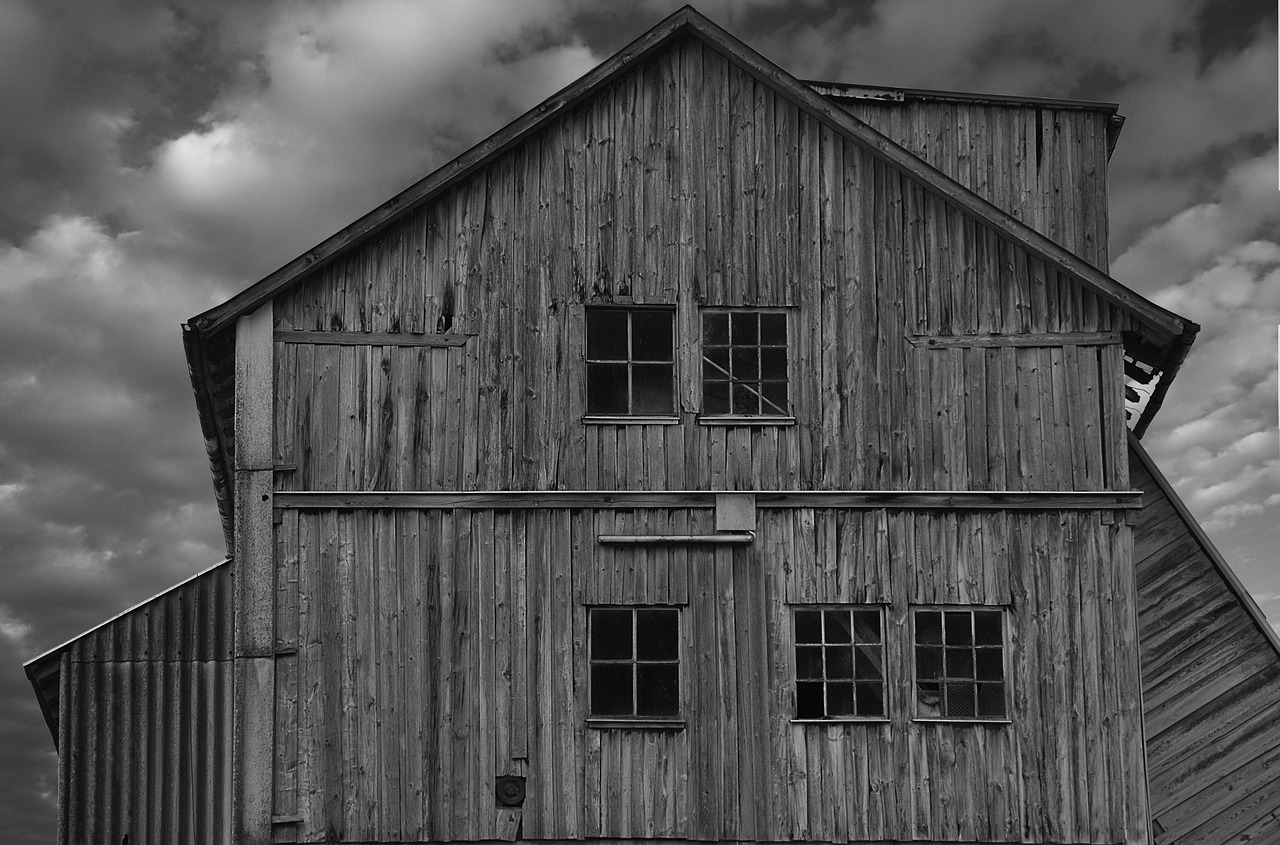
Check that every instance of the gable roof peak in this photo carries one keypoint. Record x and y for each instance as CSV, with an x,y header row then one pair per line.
x,y
205,335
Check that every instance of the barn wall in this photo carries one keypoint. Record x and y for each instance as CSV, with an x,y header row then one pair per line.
x,y
1210,683
1045,165
145,722
421,653
689,183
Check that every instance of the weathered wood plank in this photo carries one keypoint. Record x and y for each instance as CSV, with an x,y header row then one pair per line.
x,y
368,338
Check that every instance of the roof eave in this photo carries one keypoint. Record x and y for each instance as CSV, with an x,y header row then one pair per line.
x,y
894,93
1173,362
216,447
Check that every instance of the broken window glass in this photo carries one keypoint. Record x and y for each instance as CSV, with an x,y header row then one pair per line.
x,y
744,363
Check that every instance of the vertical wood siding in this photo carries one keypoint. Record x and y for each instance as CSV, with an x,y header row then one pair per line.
x,y
431,651
689,183
145,722
1211,688
1045,165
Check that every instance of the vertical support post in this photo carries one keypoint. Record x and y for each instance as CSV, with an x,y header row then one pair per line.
x,y
254,573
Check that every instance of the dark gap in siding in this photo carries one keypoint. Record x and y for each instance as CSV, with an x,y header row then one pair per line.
x,y
1039,137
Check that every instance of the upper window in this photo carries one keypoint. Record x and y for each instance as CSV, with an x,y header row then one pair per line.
x,y
960,664
635,662
839,663
630,361
744,363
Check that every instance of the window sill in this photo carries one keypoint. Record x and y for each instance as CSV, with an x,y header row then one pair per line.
x,y
844,720
657,419
636,724
974,721
746,420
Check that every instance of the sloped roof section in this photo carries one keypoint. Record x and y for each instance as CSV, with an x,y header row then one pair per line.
x,y
190,621
688,20
1210,678
1166,335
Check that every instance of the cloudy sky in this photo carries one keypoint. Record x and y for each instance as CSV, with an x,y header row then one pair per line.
x,y
157,157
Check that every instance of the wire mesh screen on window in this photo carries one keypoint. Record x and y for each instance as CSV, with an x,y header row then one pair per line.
x,y
744,363
839,663
960,664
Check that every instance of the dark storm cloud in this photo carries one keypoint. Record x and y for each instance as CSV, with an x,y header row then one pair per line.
x,y
89,87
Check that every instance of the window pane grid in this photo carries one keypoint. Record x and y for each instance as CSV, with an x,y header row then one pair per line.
x,y
744,369
839,663
633,686
960,663
630,359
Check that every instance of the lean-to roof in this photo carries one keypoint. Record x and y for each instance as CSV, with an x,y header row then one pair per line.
x,y
190,620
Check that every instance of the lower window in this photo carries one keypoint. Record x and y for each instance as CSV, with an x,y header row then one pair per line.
x,y
960,672
839,663
635,662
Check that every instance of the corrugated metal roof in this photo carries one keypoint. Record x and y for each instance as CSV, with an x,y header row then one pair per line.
x,y
203,632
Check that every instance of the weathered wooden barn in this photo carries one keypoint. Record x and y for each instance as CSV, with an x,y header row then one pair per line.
x,y
707,455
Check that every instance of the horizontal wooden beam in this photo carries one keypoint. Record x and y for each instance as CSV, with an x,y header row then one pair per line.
x,y
1030,339
369,338
485,500
729,538
627,500
955,500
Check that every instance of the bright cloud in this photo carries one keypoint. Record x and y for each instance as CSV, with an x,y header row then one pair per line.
x,y
1217,435
347,104
13,628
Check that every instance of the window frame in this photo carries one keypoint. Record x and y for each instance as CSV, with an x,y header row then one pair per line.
x,y
635,720
1006,675
595,418
885,683
787,416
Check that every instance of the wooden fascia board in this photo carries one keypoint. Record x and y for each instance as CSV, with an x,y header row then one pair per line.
x,y
892,93
445,177
1206,545
938,183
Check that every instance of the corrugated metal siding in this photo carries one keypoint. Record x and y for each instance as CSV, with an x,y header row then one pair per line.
x,y
1210,683
145,722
